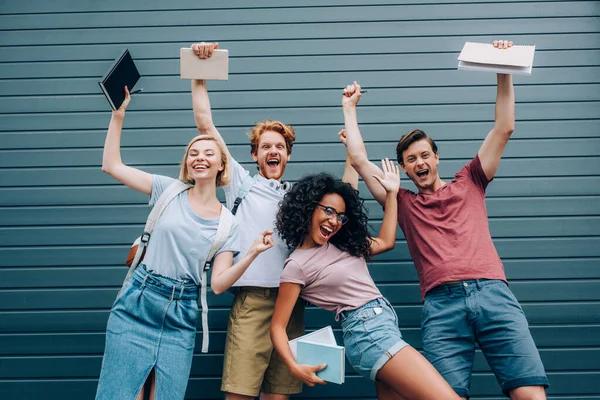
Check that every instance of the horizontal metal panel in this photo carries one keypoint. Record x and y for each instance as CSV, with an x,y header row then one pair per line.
x,y
310,98
324,14
40,6
304,134
300,47
228,33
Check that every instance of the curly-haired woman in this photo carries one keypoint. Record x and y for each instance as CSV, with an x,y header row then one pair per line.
x,y
325,221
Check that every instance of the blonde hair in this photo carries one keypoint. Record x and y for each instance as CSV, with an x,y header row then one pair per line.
x,y
268,125
223,177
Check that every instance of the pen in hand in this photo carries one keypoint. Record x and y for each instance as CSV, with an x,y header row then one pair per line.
x,y
136,91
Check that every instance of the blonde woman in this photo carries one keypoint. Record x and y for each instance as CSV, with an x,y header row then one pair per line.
x,y
152,325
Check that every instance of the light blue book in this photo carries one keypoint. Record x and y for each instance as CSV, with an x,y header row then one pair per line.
x,y
314,353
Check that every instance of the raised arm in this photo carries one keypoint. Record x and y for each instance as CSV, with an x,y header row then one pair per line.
x,y
286,300
386,240
493,146
356,147
200,99
111,157
350,174
224,275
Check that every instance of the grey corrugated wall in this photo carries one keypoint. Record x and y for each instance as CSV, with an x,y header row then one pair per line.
x,y
65,226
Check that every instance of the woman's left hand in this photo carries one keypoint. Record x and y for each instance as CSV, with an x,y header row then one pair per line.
x,y
391,176
263,242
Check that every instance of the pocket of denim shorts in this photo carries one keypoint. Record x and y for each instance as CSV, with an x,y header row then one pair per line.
x,y
368,313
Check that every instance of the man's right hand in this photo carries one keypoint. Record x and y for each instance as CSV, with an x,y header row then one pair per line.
x,y
351,95
308,373
204,50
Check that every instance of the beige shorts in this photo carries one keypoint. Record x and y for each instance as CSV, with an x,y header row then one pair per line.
x,y
251,364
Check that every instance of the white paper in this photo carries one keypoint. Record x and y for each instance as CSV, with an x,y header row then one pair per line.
x,y
323,335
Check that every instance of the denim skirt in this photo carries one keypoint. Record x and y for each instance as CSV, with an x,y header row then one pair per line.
x,y
371,336
152,324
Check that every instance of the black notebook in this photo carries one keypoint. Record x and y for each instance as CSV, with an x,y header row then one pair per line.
x,y
122,73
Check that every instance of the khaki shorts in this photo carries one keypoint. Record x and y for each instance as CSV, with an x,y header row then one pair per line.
x,y
251,363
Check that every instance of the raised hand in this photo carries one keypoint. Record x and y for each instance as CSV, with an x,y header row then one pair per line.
x,y
121,111
351,95
308,374
391,176
263,242
502,44
204,50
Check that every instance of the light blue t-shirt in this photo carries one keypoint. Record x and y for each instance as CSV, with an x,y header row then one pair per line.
x,y
181,240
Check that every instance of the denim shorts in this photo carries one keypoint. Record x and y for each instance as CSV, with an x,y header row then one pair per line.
x,y
371,336
152,324
458,315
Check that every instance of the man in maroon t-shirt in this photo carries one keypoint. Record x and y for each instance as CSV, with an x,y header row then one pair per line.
x,y
466,296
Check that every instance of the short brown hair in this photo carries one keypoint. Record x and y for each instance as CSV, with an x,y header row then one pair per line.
x,y
223,177
267,125
408,139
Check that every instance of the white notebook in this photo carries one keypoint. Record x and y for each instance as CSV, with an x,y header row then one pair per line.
x,y
323,335
214,68
517,60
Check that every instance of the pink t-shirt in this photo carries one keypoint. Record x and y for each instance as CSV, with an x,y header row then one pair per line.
x,y
331,279
447,231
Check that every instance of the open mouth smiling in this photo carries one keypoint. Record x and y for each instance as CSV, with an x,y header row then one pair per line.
x,y
423,173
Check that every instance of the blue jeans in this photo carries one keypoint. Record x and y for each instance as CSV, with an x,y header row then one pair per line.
x,y
456,316
152,324
371,336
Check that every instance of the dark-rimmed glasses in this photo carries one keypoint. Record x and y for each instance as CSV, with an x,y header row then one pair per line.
x,y
331,212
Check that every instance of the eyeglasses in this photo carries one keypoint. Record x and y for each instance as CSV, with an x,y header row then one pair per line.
x,y
331,212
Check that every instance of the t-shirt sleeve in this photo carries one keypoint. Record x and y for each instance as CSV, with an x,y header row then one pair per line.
x,y
293,273
233,240
237,178
474,171
159,184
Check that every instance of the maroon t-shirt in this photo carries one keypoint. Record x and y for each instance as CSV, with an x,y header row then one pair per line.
x,y
447,232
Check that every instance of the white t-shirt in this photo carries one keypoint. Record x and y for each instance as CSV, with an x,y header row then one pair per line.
x,y
255,214
181,240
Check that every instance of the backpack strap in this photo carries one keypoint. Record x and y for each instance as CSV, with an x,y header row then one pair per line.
x,y
161,204
223,230
247,184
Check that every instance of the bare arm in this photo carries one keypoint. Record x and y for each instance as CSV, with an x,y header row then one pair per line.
x,y
286,300
493,146
200,99
224,275
350,174
386,239
356,147
111,157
